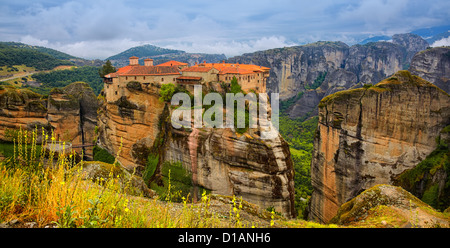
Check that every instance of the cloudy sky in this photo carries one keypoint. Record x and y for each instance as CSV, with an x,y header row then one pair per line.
x,y
101,28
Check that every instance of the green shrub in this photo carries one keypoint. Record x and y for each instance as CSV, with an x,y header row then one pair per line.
x,y
103,155
152,163
166,92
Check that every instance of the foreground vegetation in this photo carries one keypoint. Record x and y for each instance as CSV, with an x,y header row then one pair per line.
x,y
50,189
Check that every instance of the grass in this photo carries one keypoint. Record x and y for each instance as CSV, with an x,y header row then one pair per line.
x,y
48,188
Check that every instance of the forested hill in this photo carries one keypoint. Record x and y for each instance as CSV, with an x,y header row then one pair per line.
x,y
12,53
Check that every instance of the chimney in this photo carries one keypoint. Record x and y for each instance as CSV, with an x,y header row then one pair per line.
x,y
134,60
148,62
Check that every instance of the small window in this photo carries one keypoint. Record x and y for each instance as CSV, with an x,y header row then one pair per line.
x,y
162,79
144,77
174,79
135,78
116,92
126,78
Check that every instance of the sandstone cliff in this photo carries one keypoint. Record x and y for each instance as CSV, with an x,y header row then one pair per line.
x,y
433,65
370,135
70,113
21,108
219,160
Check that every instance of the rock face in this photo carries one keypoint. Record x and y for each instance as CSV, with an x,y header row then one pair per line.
x,y
395,206
220,160
370,135
433,65
231,164
322,68
21,108
130,124
70,113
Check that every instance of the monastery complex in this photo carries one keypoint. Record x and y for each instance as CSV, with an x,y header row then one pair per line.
x,y
249,77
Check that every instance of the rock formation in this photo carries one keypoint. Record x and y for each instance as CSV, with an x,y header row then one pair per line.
x,y
219,160
20,108
370,135
433,65
322,68
70,113
389,206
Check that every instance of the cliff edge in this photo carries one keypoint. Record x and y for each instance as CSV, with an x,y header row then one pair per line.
x,y
370,135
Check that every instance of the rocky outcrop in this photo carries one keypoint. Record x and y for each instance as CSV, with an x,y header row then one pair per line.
x,y
328,67
70,112
389,206
413,44
370,135
231,164
21,108
130,124
220,160
433,65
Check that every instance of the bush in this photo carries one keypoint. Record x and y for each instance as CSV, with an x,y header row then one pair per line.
x,y
103,155
134,85
166,92
152,163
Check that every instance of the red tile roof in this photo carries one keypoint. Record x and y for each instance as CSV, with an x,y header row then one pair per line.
x,y
152,70
226,68
140,70
173,63
197,69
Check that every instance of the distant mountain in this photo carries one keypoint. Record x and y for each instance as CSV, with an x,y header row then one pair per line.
x,y
428,33
143,51
434,33
375,39
161,55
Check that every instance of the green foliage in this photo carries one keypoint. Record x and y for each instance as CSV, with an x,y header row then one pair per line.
x,y
166,92
317,82
235,87
152,163
106,69
422,175
11,55
285,105
62,78
300,136
103,155
176,182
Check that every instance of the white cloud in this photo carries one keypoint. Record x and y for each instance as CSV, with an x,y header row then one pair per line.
x,y
232,48
85,49
442,42
98,29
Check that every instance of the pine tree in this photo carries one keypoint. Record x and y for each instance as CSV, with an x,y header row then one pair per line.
x,y
106,69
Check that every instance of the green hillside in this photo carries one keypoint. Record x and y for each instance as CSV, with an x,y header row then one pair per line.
x,y
143,51
12,53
